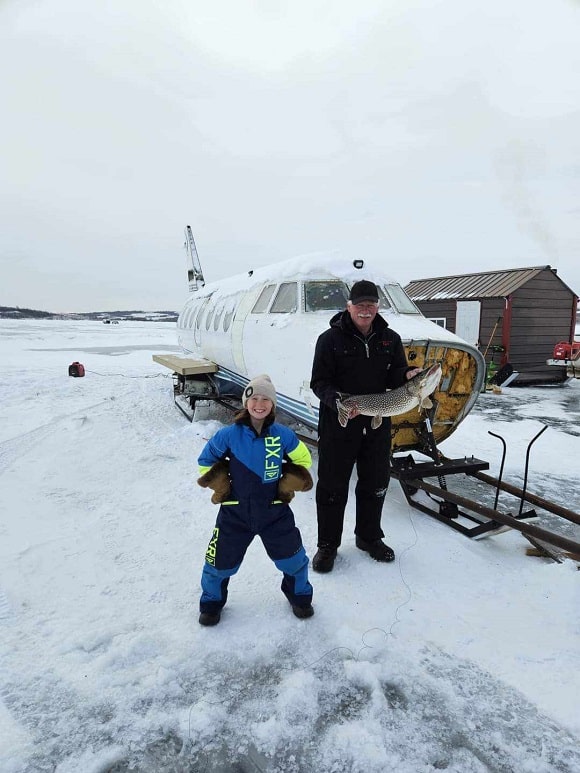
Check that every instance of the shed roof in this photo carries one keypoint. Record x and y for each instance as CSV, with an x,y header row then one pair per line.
x,y
489,284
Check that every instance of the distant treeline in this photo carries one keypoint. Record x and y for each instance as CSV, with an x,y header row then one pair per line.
x,y
17,312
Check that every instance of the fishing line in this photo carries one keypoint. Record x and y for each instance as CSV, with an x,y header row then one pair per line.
x,y
124,375
405,602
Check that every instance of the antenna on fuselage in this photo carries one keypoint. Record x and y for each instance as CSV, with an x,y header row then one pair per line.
x,y
194,272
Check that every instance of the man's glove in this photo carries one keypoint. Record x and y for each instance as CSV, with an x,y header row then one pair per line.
x,y
218,479
295,478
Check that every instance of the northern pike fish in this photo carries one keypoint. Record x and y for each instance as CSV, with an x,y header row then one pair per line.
x,y
393,402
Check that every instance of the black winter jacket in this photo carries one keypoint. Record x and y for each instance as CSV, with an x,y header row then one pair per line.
x,y
345,361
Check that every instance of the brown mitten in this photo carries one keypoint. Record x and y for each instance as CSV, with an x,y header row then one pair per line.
x,y
295,478
218,479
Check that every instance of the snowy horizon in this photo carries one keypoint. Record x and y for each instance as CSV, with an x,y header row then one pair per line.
x,y
462,655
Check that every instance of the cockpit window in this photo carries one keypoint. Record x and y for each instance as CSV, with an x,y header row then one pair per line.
x,y
384,302
325,296
262,303
286,300
400,300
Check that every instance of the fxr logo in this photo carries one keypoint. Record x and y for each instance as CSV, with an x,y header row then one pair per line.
x,y
212,547
273,460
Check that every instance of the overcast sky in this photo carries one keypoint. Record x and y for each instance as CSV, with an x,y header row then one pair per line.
x,y
440,137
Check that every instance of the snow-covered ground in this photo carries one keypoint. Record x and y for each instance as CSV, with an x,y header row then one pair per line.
x,y
461,656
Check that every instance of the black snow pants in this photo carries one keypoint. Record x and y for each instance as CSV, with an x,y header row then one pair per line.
x,y
338,450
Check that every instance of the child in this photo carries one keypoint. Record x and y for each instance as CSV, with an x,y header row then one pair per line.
x,y
257,503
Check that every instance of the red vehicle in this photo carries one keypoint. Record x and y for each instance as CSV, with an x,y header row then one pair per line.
x,y
566,350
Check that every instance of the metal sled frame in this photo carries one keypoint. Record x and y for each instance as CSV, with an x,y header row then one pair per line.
x,y
448,507
188,391
193,382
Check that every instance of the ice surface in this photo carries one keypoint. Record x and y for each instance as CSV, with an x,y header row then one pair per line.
x,y
461,656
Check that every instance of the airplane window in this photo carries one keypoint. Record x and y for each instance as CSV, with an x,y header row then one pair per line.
x,y
262,303
197,330
286,299
384,302
325,296
193,319
228,316
208,317
187,322
400,300
217,318
198,319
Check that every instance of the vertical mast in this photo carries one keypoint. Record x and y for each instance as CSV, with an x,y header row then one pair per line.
x,y
194,272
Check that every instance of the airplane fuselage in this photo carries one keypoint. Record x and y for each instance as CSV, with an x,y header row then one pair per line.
x,y
268,321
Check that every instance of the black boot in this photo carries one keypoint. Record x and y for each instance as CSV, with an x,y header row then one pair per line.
x,y
209,618
323,561
376,549
303,612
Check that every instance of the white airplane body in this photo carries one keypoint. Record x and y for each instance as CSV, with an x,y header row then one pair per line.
x,y
268,321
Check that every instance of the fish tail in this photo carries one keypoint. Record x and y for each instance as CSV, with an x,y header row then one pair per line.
x,y
342,414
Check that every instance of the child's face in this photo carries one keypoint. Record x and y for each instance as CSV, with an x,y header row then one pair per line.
x,y
259,407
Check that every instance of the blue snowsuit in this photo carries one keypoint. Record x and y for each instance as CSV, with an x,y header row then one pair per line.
x,y
255,468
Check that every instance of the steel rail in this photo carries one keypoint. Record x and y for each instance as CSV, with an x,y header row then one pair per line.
x,y
533,499
494,515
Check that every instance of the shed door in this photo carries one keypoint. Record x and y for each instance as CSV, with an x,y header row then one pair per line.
x,y
467,321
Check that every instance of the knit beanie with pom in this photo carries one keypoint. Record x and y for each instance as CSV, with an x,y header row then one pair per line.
x,y
261,385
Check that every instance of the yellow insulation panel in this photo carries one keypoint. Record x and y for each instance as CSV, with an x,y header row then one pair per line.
x,y
459,376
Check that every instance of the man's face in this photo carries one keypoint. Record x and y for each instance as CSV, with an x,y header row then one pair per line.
x,y
362,314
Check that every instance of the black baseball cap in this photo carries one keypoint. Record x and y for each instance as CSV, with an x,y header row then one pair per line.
x,y
364,291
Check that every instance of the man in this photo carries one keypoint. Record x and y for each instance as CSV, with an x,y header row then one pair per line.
x,y
359,354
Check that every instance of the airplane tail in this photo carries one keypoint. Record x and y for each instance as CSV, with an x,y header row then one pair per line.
x,y
194,272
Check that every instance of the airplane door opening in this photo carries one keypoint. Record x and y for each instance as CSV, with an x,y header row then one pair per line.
x,y
246,303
